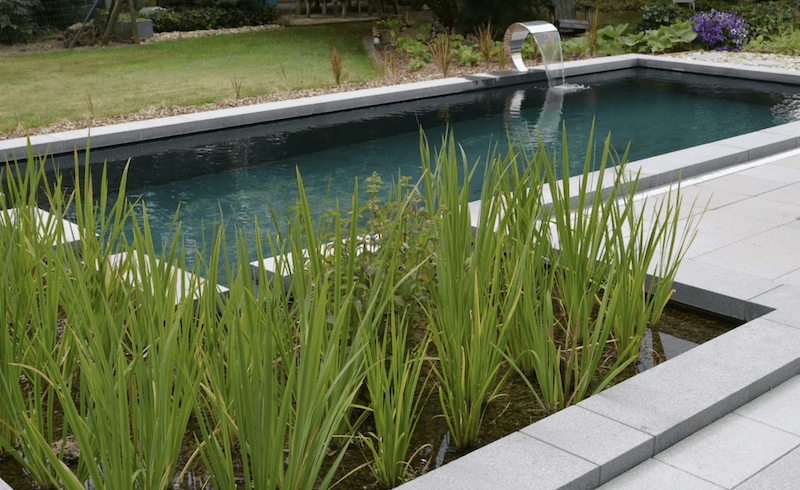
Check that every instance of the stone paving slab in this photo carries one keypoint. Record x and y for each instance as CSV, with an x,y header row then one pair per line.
x,y
748,185
664,169
709,199
730,450
753,260
763,209
785,299
790,279
787,194
779,173
783,239
657,475
609,444
791,161
188,285
718,289
668,403
783,474
720,69
703,243
536,465
777,408
761,143
47,224
788,129
722,223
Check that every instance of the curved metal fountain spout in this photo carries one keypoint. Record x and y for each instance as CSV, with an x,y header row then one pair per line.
x,y
547,38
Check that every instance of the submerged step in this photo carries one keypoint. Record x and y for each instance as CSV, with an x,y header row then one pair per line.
x,y
282,265
47,225
188,284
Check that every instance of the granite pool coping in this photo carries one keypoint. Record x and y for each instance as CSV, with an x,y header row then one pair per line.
x,y
635,420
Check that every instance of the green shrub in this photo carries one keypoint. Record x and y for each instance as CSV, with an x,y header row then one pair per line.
x,y
16,20
662,14
676,37
417,64
607,43
787,43
418,51
467,55
765,18
211,18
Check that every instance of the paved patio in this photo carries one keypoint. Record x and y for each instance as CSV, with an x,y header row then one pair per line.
x,y
747,246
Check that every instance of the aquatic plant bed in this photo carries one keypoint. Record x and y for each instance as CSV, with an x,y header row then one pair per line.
x,y
554,294
680,329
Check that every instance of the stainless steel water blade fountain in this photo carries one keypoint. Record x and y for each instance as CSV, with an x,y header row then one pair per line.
x,y
547,39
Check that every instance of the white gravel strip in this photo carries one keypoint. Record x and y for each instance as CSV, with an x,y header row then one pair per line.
x,y
750,59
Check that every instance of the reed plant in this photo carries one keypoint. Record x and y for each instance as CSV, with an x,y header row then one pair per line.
x,y
485,36
500,52
399,238
379,65
113,368
30,291
298,350
283,77
237,87
440,49
336,65
472,299
396,389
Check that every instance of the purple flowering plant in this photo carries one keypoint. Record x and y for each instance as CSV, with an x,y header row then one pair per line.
x,y
722,31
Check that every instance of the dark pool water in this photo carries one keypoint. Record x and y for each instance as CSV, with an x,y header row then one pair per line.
x,y
232,176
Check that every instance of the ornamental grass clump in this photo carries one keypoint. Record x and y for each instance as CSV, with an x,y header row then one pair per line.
x,y
721,31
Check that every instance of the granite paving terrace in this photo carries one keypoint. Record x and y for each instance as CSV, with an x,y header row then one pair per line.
x,y
722,415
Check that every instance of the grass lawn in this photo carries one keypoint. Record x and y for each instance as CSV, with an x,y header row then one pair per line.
x,y
72,85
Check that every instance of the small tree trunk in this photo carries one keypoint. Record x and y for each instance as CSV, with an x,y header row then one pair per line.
x,y
111,22
134,26
565,9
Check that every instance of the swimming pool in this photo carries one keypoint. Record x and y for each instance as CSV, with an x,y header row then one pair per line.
x,y
232,175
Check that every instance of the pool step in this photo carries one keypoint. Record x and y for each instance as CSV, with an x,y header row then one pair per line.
x,y
282,265
47,224
188,285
